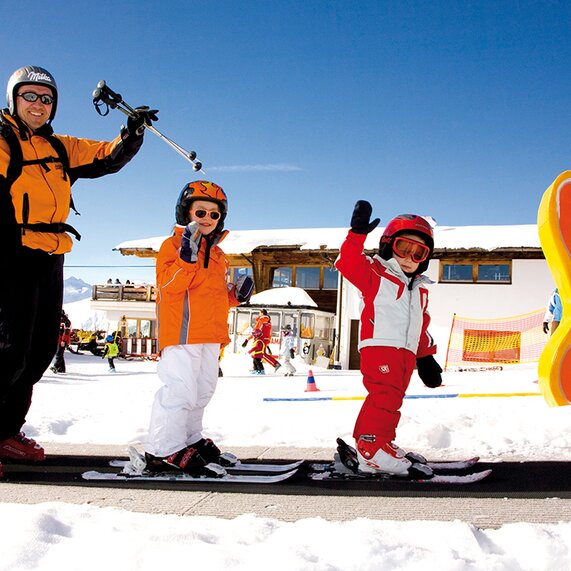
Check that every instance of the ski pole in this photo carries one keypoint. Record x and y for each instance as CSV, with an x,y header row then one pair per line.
x,y
104,95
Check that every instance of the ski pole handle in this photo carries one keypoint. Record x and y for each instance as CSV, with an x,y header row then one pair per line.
x,y
104,95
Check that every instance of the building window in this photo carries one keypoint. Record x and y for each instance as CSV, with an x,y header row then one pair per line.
x,y
283,277
476,272
307,277
494,273
330,278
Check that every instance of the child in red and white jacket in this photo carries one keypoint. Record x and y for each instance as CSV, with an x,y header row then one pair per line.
x,y
393,332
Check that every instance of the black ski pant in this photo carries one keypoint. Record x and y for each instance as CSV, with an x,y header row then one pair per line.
x,y
59,361
31,295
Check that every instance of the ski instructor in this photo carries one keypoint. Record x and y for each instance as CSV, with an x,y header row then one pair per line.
x,y
37,169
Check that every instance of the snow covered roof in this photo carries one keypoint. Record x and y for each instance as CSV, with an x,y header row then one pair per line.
x,y
449,237
283,296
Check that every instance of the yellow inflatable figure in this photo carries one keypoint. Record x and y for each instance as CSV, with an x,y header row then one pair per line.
x,y
554,225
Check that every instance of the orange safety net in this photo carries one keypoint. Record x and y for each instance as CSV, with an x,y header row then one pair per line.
x,y
516,339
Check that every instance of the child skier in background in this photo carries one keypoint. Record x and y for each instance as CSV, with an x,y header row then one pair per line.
x,y
192,316
287,351
111,351
259,352
393,331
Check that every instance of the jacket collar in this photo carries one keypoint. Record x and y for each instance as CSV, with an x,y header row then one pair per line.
x,y
392,267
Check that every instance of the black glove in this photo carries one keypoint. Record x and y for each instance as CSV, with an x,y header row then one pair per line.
x,y
245,343
143,116
243,288
191,238
360,220
429,371
546,327
292,354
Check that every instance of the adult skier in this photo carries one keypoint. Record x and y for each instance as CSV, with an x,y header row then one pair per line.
x,y
37,169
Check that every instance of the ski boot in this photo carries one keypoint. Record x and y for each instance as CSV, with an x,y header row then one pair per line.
x,y
211,453
186,460
22,448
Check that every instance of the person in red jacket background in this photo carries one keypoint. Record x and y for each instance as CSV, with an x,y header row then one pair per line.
x,y
193,300
63,343
259,352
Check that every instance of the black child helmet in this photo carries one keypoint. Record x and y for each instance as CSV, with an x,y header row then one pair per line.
x,y
407,224
30,75
200,190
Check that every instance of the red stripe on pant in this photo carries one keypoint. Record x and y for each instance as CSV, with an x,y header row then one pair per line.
x,y
386,375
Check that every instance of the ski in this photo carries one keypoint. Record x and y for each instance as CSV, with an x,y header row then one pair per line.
x,y
135,469
181,477
330,472
345,467
240,467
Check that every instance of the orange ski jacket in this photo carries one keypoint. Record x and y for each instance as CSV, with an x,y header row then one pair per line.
x,y
42,192
192,301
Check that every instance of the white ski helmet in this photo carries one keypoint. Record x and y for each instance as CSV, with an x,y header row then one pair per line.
x,y
30,75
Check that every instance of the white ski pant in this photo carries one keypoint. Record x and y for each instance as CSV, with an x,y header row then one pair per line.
x,y
287,364
189,374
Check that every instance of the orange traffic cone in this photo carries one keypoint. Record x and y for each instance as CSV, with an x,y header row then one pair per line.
x,y
311,386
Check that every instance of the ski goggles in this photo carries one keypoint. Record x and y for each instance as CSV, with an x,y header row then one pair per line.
x,y
405,248
32,97
203,213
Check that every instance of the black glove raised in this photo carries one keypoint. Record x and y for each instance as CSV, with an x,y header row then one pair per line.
x,y
546,327
245,343
191,238
360,220
143,116
429,371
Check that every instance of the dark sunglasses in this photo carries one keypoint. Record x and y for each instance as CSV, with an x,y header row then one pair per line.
x,y
32,97
403,248
202,213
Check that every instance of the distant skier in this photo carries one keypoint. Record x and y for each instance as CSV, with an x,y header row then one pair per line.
x,y
288,351
393,333
553,313
63,343
259,352
111,351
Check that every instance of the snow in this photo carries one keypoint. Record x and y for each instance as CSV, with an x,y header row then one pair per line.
x,y
90,406
449,237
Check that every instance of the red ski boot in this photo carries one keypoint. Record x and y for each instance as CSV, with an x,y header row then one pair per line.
x,y
20,447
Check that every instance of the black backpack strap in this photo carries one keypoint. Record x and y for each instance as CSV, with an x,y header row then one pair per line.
x,y
61,151
14,169
55,227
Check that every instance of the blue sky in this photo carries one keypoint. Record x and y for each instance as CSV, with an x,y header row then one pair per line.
x,y
458,110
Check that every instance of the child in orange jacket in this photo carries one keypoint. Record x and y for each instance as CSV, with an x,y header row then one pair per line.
x,y
193,301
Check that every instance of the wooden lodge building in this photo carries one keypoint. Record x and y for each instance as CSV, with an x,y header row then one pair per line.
x,y
483,271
